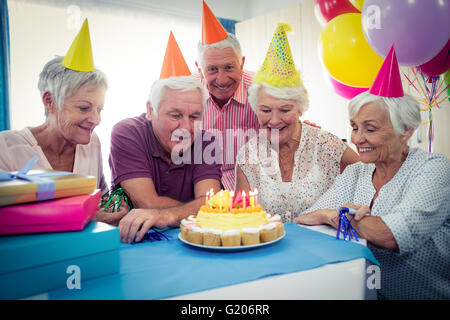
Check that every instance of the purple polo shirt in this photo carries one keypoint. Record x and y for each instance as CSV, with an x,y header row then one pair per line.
x,y
135,153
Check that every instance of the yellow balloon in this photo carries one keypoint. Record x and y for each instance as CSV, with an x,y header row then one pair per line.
x,y
346,53
358,4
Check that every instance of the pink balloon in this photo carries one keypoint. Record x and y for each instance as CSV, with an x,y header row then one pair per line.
x,y
346,91
330,9
439,64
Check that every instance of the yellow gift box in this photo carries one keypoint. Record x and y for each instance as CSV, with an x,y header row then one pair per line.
x,y
45,184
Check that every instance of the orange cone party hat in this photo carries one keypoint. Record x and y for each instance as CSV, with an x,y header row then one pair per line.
x,y
212,29
388,82
174,64
79,56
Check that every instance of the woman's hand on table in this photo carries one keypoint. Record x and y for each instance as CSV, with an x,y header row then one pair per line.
x,y
137,222
317,217
361,211
331,216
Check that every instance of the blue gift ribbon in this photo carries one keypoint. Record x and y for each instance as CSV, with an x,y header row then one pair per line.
x,y
45,187
155,234
345,226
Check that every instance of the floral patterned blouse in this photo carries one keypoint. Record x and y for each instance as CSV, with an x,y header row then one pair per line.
x,y
317,163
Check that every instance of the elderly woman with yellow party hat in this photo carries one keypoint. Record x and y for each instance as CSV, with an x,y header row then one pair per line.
x,y
73,94
289,162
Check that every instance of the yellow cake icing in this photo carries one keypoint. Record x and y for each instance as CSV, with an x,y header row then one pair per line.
x,y
229,221
236,222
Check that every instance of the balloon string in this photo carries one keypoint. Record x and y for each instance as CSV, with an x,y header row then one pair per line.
x,y
412,83
418,82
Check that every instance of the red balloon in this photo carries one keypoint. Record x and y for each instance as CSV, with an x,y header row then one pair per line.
x,y
439,64
333,8
346,91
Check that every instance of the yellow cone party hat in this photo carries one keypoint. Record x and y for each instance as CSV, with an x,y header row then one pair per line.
x,y
79,56
278,69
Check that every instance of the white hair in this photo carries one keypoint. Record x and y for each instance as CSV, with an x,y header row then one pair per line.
x,y
403,111
61,82
229,42
299,94
183,83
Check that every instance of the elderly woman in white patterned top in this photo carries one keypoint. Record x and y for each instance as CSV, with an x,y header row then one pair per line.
x,y
402,198
289,162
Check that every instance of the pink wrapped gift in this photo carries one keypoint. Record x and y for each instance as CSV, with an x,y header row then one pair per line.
x,y
64,214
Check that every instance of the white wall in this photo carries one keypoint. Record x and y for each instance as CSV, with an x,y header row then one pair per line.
x,y
260,7
231,9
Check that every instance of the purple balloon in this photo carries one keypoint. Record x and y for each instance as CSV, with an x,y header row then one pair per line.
x,y
418,29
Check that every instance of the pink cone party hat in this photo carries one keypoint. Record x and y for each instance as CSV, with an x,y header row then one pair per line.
x,y
388,82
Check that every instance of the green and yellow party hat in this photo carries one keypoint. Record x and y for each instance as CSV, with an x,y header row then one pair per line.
x,y
278,69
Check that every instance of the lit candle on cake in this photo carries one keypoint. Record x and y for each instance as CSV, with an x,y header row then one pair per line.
x,y
211,193
252,199
207,198
243,199
255,194
220,200
231,200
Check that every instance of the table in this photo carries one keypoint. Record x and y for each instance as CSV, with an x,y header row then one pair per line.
x,y
308,284
173,270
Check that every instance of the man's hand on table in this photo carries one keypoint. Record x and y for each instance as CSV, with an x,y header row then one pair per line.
x,y
137,222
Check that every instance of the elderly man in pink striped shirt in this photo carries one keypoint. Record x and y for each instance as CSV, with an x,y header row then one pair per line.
x,y
227,112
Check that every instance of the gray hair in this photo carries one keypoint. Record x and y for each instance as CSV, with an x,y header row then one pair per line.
x,y
229,42
61,82
299,94
183,83
403,111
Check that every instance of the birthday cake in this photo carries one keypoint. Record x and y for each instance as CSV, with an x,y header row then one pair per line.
x,y
228,220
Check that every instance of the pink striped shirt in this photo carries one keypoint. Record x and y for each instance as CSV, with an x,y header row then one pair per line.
x,y
234,124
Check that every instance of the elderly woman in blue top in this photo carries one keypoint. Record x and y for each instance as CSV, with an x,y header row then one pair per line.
x,y
402,198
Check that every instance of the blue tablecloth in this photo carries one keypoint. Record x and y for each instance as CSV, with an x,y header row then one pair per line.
x,y
158,270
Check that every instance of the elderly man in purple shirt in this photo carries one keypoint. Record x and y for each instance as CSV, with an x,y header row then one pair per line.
x,y
153,158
